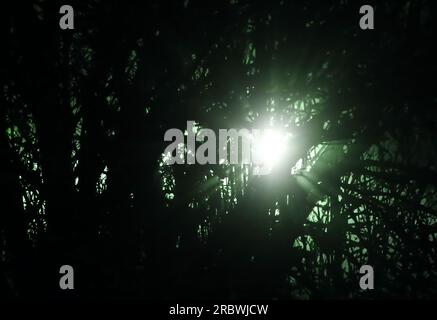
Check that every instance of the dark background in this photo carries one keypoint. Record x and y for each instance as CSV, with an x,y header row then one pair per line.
x,y
83,114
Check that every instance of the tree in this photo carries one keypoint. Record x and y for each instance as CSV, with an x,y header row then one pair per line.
x,y
83,117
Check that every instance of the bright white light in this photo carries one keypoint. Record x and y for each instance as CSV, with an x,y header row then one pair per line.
x,y
269,148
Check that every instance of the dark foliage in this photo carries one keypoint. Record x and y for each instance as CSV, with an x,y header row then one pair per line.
x,y
83,115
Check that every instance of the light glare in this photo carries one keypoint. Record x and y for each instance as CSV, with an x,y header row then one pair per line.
x,y
270,148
